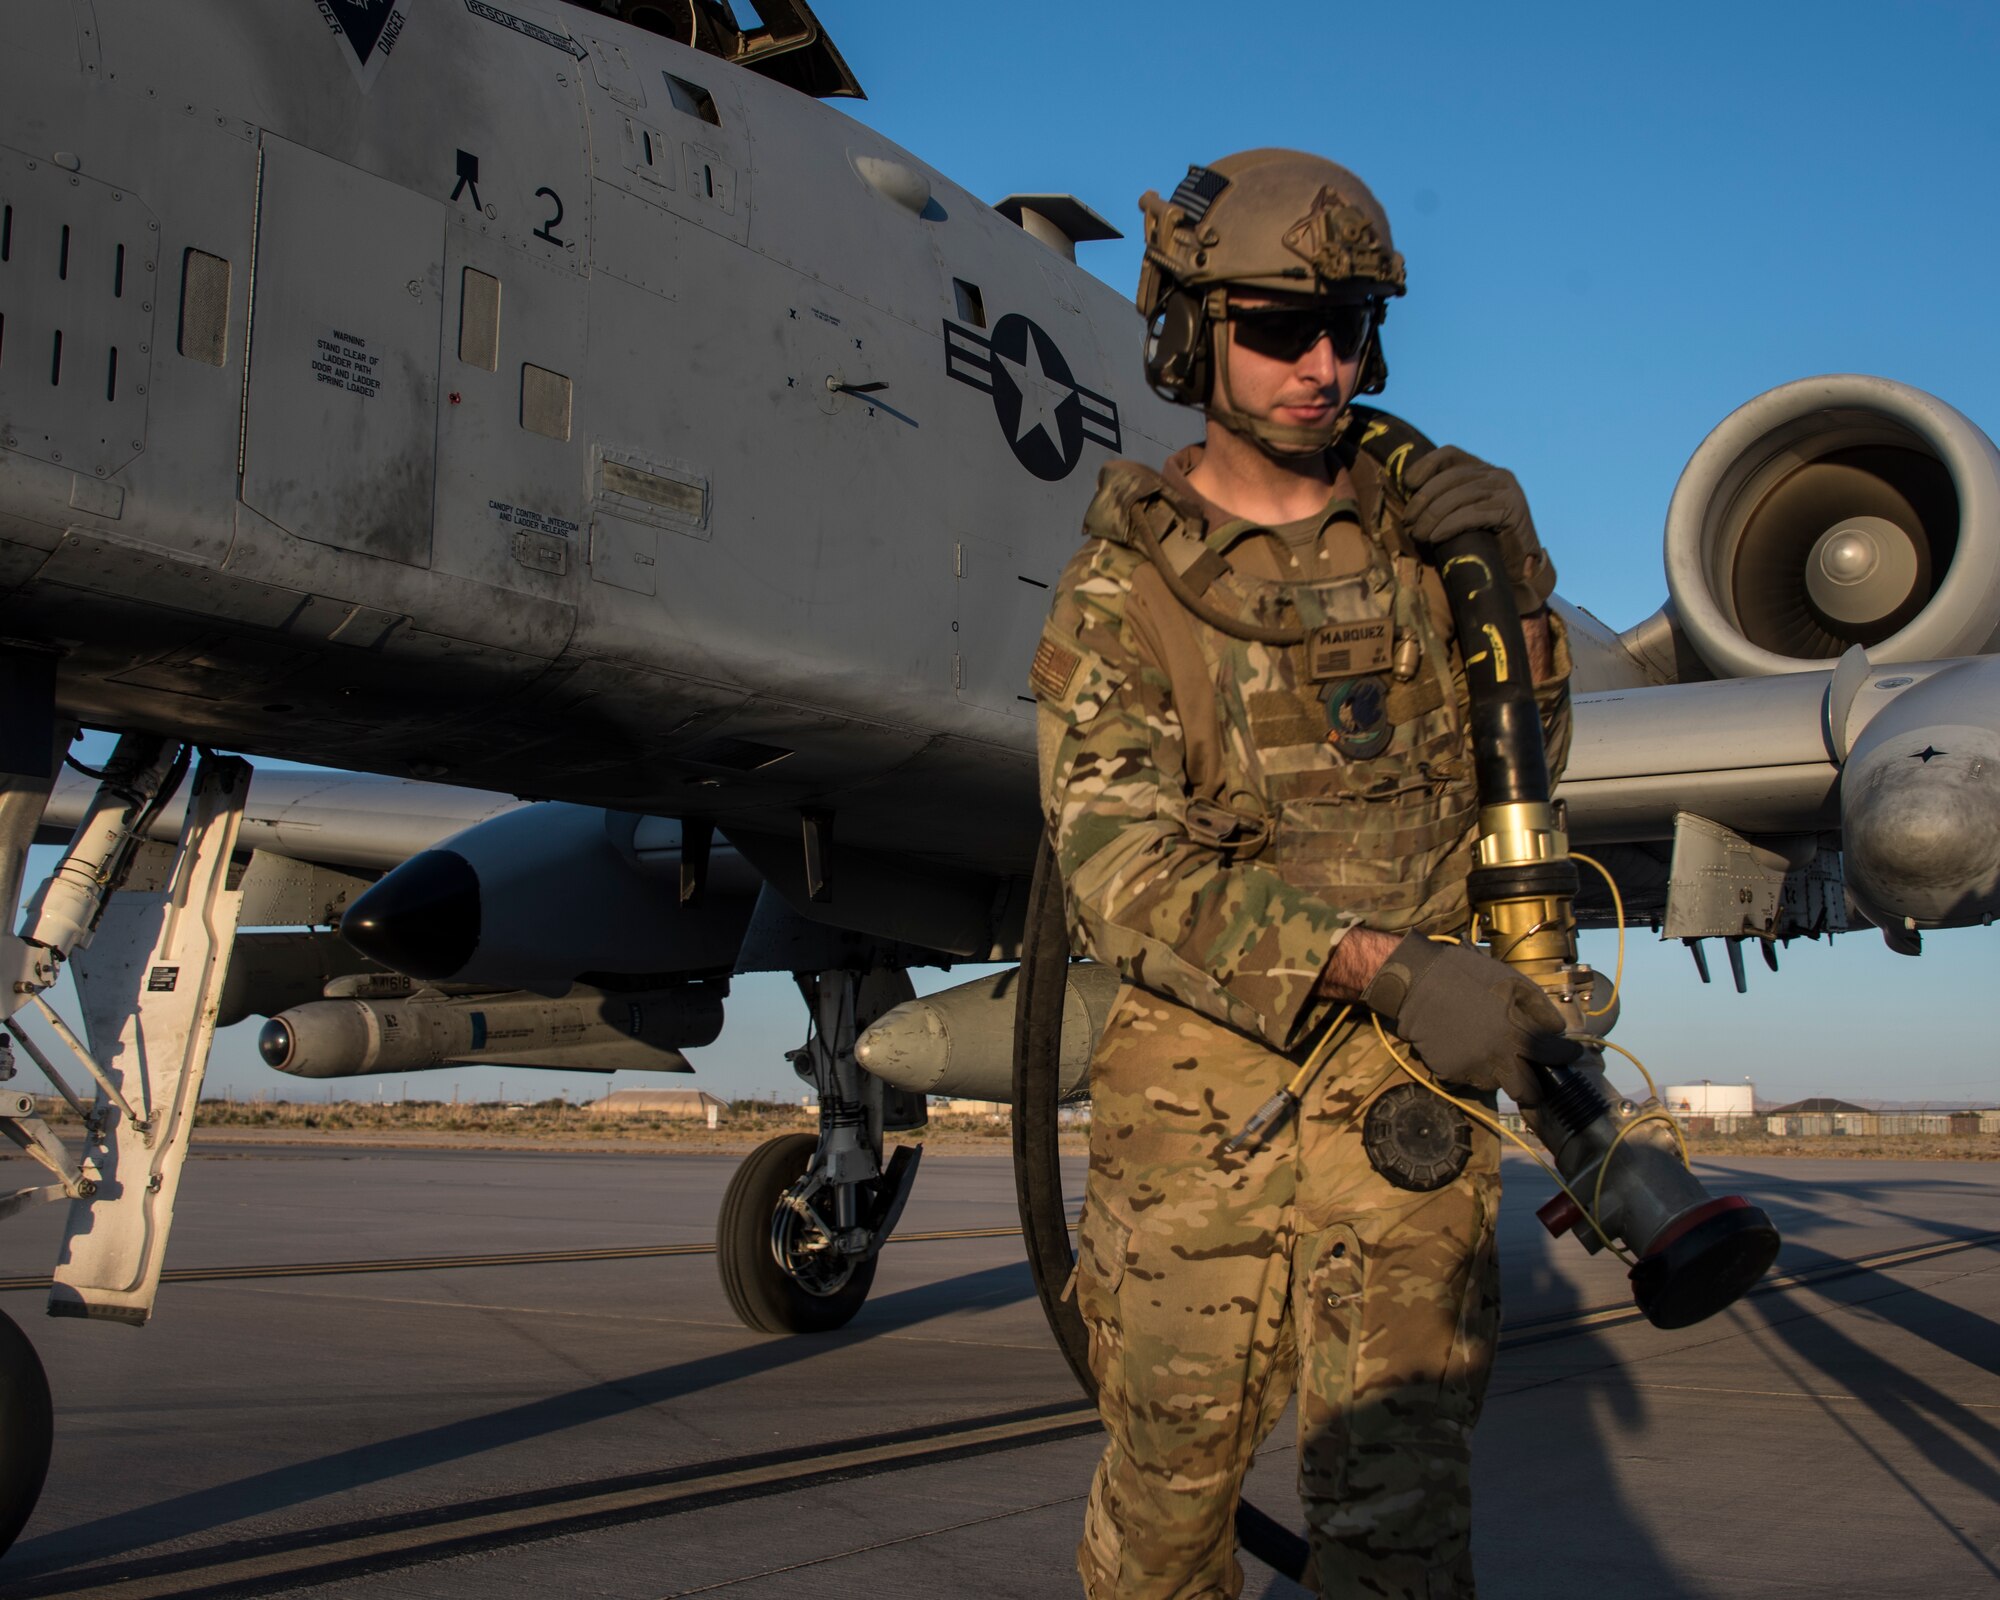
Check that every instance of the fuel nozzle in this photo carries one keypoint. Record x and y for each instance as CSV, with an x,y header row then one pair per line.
x,y
1697,1252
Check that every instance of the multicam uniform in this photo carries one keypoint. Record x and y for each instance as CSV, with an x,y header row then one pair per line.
x,y
1221,816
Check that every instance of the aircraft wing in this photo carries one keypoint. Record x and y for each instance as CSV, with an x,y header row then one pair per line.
x,y
348,819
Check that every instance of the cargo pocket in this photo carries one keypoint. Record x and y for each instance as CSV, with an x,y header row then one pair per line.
x,y
1102,1243
1326,1312
1462,1388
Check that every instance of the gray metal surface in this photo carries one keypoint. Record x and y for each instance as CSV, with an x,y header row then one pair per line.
x,y
1831,1439
356,819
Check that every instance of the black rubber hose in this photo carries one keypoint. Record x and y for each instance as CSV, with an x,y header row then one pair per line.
x,y
1509,760
1038,1187
1038,1018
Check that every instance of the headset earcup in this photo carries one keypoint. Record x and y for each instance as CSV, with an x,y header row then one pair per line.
x,y
1374,368
1375,365
1177,357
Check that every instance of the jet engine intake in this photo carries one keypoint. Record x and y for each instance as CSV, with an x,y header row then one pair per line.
x,y
1832,512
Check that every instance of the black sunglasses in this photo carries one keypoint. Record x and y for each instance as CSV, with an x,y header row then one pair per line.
x,y
1285,333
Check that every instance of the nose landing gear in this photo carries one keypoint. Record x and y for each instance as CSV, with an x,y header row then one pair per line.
x,y
806,1214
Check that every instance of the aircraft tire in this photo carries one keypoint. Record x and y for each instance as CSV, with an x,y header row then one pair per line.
x,y
762,1294
27,1429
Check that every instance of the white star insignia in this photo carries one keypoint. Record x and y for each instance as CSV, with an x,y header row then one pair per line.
x,y
1040,396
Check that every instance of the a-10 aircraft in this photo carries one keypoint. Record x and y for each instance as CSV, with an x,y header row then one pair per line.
x,y
563,401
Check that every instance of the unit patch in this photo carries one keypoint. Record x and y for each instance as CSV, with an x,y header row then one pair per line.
x,y
1044,412
1357,722
1349,649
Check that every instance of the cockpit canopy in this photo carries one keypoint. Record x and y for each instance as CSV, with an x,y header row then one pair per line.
x,y
786,44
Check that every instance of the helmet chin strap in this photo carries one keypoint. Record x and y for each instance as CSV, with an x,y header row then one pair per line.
x,y
1281,441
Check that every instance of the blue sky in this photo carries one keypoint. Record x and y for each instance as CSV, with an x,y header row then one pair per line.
x,y
1621,223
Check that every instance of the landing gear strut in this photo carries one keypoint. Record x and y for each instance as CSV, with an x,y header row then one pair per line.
x,y
806,1214
146,930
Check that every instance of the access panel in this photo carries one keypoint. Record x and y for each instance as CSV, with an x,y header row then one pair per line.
x,y
341,431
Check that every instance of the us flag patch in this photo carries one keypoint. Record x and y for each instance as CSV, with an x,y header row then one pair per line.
x,y
1054,669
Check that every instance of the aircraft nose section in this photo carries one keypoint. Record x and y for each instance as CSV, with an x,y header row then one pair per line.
x,y
422,918
1920,816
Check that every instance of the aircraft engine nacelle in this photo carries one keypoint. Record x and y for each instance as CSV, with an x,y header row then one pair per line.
x,y
1832,512
537,897
585,1031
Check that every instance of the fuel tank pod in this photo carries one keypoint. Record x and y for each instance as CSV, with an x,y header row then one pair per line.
x,y
1920,801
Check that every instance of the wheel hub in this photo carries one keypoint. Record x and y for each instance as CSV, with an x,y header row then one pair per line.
x,y
806,1250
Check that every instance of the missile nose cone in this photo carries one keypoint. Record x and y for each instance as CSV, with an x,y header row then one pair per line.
x,y
274,1043
422,919
1921,832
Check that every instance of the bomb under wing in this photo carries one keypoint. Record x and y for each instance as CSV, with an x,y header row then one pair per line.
x,y
960,1041
360,1029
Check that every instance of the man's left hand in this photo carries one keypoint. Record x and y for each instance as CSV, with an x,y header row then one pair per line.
x,y
1454,493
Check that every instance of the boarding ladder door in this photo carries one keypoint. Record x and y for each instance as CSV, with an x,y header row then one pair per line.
x,y
150,982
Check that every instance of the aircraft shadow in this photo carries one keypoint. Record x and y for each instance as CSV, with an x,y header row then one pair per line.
x,y
1956,1440
204,1510
1542,1427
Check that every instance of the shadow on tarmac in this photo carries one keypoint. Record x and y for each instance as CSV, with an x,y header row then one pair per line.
x,y
205,1510
1956,1440
1546,1458
1553,1452
1569,1447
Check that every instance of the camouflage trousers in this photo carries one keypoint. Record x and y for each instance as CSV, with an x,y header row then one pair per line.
x,y
1215,1287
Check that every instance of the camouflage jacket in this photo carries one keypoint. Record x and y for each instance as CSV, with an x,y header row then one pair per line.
x,y
1223,811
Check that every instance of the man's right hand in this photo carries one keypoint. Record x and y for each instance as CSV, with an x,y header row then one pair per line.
x,y
1473,1020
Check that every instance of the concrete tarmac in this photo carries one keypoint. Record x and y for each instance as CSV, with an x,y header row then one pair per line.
x,y
605,1428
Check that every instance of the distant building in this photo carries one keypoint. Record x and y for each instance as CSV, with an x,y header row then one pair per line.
x,y
664,1102
1709,1099
948,1106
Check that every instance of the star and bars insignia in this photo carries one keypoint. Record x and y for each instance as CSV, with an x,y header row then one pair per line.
x,y
1045,414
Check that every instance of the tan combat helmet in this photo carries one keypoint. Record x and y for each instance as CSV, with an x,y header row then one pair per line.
x,y
1276,221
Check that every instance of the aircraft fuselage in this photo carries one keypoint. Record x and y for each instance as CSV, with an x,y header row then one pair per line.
x,y
531,403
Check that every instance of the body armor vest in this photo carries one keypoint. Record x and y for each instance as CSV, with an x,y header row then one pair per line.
x,y
1353,784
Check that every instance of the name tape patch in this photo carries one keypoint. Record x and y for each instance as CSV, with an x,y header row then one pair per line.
x,y
1350,649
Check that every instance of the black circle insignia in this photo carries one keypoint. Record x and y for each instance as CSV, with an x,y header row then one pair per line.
x,y
1035,398
1357,717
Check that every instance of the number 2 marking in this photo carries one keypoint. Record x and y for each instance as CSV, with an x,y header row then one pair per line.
x,y
547,229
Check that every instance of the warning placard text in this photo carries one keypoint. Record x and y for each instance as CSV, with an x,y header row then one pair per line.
x,y
342,359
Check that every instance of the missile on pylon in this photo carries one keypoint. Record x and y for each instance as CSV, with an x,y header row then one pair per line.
x,y
361,1029
961,1041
